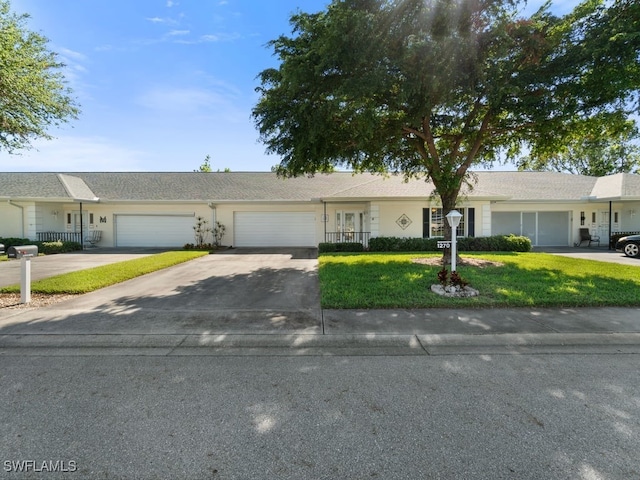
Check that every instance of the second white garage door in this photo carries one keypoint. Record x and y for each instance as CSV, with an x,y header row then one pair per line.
x,y
154,230
274,229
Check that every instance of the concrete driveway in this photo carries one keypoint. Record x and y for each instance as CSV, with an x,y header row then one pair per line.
x,y
600,254
270,291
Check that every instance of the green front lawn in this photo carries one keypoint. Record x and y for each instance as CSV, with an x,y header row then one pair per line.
x,y
84,281
392,280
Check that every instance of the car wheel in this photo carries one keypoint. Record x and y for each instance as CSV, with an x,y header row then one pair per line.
x,y
632,250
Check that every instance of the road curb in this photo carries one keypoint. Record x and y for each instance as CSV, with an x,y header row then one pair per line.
x,y
314,344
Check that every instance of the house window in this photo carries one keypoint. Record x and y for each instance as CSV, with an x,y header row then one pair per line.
x,y
91,218
593,217
615,217
438,221
68,219
582,219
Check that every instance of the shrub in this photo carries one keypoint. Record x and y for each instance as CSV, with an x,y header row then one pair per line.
x,y
14,241
46,248
200,246
50,248
496,243
340,247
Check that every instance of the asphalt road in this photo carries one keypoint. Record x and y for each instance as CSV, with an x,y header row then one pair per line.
x,y
453,417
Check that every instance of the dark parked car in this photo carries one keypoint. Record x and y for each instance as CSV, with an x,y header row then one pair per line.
x,y
629,245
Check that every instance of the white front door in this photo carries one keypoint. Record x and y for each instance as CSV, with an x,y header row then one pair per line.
x,y
602,229
77,223
349,226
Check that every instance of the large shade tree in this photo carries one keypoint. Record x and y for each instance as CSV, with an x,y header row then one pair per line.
x,y
604,150
430,88
33,94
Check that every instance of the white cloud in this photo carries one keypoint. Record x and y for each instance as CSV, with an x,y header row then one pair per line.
x,y
74,70
215,101
171,3
174,33
210,38
71,54
187,100
162,20
79,154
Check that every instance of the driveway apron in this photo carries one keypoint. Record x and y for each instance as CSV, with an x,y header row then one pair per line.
x,y
215,294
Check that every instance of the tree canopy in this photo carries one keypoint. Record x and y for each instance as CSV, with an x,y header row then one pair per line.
x,y
33,93
432,88
597,152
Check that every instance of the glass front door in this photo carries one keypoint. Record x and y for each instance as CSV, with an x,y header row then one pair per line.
x,y
348,226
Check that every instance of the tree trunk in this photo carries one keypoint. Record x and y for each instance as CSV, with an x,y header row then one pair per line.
x,y
448,204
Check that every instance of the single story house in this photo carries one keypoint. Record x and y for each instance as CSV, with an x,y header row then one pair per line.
x,y
260,209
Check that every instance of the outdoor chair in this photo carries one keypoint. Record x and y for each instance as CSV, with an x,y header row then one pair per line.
x,y
94,237
585,236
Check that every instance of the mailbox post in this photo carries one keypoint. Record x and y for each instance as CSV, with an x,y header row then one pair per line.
x,y
24,253
453,217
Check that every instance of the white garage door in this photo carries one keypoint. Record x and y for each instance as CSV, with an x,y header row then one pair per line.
x,y
154,230
274,229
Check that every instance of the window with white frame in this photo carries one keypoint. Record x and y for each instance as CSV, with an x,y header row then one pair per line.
x,y
438,221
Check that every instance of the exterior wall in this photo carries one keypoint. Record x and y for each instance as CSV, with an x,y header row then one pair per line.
x,y
379,217
630,216
388,213
104,215
11,221
49,217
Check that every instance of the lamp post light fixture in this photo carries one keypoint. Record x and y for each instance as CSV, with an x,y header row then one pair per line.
x,y
453,217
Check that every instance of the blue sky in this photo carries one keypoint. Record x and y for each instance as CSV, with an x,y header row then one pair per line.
x,y
161,83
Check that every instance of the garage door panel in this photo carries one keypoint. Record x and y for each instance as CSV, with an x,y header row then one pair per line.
x,y
274,229
543,228
154,230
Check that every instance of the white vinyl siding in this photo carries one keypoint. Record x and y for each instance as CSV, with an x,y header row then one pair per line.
x,y
154,230
274,229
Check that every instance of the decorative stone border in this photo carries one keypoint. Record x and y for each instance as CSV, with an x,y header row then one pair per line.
x,y
454,291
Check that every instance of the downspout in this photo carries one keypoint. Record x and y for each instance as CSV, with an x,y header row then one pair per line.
x,y
21,216
609,239
324,220
81,227
214,216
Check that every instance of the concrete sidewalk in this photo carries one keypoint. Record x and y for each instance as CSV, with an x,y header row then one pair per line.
x,y
49,331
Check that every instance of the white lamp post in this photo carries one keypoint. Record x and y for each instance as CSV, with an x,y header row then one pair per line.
x,y
453,217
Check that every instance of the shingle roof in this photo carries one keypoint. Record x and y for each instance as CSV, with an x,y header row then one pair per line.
x,y
537,186
266,186
31,185
617,186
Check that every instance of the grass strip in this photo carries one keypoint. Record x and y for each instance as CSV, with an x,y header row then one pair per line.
x,y
525,280
85,281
